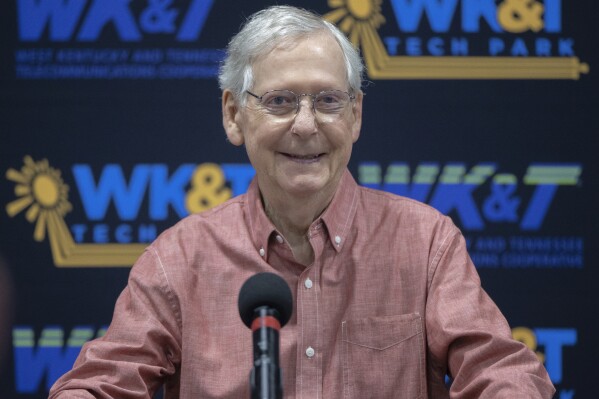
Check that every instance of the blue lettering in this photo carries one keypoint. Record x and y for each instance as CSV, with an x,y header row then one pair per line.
x,y
553,340
473,10
496,46
435,46
111,185
49,359
165,191
408,13
194,20
100,234
392,43
502,204
519,48
543,47
397,179
60,15
32,365
122,234
239,175
468,243
566,394
103,12
454,192
491,244
459,46
413,46
566,47
448,197
146,233
553,16
79,232
538,207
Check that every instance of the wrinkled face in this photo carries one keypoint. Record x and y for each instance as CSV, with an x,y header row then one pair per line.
x,y
302,154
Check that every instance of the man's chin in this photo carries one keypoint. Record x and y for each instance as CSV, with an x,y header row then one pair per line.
x,y
304,185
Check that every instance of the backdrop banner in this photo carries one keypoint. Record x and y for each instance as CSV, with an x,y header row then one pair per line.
x,y
112,132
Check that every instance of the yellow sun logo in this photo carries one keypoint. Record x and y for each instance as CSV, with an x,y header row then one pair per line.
x,y
41,189
354,16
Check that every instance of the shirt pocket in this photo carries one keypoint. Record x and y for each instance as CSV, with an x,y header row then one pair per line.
x,y
383,357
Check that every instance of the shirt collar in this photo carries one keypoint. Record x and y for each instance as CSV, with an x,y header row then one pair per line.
x,y
339,215
337,218
261,227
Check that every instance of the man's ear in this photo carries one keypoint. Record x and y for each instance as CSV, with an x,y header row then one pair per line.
x,y
231,118
357,111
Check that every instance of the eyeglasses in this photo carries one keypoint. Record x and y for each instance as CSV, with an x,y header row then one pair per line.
x,y
327,104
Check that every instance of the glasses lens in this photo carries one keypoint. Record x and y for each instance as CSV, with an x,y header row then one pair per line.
x,y
331,102
279,102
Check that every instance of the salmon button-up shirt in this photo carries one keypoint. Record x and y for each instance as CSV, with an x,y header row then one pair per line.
x,y
391,305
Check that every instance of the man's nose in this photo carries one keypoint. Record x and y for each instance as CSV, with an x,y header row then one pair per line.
x,y
304,122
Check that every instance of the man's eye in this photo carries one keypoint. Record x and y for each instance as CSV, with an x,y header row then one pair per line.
x,y
279,100
328,102
328,99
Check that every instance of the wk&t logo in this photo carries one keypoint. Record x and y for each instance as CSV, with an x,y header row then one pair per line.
x,y
460,39
477,198
159,33
56,348
43,196
502,215
84,21
455,189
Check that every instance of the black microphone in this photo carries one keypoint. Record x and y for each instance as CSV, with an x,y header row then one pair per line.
x,y
265,305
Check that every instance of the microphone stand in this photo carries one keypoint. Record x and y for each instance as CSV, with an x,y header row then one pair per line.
x,y
265,378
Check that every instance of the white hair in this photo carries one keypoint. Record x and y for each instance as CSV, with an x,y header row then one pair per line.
x,y
276,26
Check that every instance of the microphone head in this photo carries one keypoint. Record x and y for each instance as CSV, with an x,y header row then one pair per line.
x,y
265,289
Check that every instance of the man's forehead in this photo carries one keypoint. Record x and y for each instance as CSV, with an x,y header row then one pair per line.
x,y
316,52
291,44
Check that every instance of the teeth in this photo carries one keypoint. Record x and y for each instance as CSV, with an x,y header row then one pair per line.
x,y
305,156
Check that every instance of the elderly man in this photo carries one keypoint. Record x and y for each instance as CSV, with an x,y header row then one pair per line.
x,y
386,300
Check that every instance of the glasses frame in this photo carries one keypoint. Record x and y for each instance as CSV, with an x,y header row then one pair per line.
x,y
298,97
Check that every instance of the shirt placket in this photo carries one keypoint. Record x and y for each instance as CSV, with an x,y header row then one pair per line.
x,y
309,356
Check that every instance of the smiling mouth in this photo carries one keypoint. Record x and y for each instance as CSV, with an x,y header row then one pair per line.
x,y
303,158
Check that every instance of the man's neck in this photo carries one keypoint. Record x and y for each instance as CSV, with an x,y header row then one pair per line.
x,y
292,217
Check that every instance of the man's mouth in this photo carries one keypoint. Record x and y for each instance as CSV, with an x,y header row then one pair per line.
x,y
303,158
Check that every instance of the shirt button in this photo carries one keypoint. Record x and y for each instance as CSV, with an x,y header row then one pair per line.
x,y
337,240
279,239
310,351
308,283
262,252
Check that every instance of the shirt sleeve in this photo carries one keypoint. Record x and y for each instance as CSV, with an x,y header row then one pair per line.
x,y
469,338
140,349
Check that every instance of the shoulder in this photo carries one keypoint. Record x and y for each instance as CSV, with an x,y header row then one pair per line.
x,y
202,230
225,215
404,212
